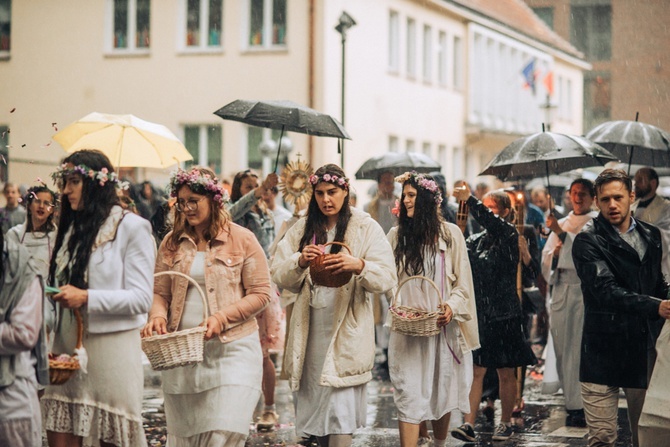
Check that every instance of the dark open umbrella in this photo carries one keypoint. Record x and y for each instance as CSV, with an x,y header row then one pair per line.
x,y
634,142
546,153
284,115
396,163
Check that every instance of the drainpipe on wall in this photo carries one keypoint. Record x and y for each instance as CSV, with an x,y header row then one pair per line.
x,y
310,76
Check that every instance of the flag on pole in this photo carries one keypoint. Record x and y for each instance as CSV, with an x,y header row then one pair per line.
x,y
529,75
548,82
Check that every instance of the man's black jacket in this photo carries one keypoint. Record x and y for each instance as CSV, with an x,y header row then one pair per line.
x,y
621,320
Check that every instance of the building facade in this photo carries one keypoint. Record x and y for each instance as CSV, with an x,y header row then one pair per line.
x,y
447,78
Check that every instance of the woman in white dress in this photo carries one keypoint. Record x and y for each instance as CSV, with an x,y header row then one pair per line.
x,y
103,263
212,402
331,347
38,232
432,375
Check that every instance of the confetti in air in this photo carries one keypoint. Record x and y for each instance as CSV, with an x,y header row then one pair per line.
x,y
23,145
5,132
12,111
3,159
54,125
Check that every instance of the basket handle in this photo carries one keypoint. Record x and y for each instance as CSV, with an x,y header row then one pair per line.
x,y
194,283
339,243
404,281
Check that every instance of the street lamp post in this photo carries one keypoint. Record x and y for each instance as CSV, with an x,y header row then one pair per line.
x,y
345,22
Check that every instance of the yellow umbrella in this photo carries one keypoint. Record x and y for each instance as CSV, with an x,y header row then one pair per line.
x,y
127,140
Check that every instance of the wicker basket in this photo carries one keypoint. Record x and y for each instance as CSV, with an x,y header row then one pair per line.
x,y
416,322
322,277
60,371
179,348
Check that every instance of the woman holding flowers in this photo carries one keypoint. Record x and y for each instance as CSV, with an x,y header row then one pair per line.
x,y
103,260
212,402
331,348
431,375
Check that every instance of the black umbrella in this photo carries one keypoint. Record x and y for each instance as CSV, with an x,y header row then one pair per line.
x,y
546,152
634,142
284,115
396,163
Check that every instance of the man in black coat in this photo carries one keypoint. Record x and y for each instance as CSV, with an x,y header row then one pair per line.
x,y
618,260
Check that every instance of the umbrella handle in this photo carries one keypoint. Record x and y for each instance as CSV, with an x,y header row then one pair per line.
x,y
281,135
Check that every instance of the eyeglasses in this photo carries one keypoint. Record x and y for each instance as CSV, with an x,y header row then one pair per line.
x,y
190,205
48,205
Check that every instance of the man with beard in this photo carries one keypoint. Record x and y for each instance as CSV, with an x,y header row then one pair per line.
x,y
652,208
618,260
566,305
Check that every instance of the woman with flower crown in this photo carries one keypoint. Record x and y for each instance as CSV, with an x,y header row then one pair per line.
x,y
102,263
331,347
431,375
212,402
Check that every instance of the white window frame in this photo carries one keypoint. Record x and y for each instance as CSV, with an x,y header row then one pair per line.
x,y
203,142
132,48
394,42
568,100
394,144
427,149
442,156
459,64
267,44
427,54
182,31
410,146
442,55
411,48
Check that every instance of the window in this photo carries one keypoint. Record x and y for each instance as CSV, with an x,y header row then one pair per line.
x,y
427,149
568,100
458,63
591,31
255,137
546,14
267,23
4,153
393,144
597,104
458,164
131,24
204,22
394,41
410,146
204,143
5,25
427,53
411,48
442,59
442,156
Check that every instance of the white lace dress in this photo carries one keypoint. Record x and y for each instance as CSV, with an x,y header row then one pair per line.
x,y
212,403
431,376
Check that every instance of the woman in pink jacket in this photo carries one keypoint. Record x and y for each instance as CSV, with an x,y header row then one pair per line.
x,y
229,264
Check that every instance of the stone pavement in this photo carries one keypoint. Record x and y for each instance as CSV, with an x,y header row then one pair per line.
x,y
543,416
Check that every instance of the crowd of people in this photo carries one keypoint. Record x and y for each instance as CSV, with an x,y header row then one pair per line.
x,y
97,273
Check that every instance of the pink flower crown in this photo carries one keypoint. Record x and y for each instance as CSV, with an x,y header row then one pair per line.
x,y
330,178
423,182
101,177
199,183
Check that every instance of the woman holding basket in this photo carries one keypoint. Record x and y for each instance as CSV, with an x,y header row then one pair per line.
x,y
331,348
103,260
212,402
431,374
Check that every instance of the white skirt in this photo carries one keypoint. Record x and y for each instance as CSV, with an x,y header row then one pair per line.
x,y
106,403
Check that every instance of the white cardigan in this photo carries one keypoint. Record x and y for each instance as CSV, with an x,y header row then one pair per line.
x,y
120,273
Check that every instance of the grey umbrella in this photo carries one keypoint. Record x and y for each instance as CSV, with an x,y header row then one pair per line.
x,y
396,163
546,153
634,142
284,115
